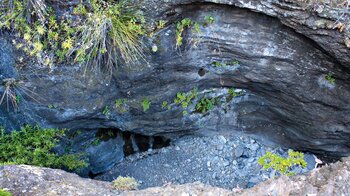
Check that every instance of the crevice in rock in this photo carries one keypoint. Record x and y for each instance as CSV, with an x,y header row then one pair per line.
x,y
133,143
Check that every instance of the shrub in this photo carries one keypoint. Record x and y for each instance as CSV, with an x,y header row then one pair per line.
x,y
5,193
280,164
34,146
125,183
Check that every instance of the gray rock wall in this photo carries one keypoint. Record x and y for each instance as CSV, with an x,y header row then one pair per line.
x,y
283,59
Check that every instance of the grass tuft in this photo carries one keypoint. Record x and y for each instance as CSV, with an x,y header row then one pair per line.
x,y
110,34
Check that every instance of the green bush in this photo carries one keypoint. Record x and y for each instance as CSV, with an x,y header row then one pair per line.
x,y
281,164
5,193
33,145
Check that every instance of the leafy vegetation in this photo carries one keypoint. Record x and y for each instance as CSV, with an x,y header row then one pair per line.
x,y
121,105
125,183
181,26
105,34
5,193
282,165
33,145
185,99
232,94
38,28
329,77
146,103
96,142
208,20
161,24
224,64
205,104
106,111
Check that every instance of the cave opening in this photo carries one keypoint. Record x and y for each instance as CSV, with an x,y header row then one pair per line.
x,y
133,143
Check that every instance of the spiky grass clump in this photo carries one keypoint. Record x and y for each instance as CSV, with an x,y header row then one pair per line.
x,y
125,183
20,13
111,33
13,92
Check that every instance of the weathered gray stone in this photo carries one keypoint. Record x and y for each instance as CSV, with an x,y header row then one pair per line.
x,y
280,69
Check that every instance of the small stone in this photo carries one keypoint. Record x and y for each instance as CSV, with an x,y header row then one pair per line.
x,y
208,163
226,163
238,151
220,147
272,174
177,148
222,139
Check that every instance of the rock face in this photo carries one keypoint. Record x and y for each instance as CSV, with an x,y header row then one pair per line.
x,y
329,180
29,180
282,55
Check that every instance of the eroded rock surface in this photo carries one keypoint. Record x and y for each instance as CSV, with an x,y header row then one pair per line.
x,y
30,180
283,52
329,180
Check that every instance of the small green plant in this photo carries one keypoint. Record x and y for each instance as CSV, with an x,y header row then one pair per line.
x,y
121,105
5,193
224,64
51,106
208,20
205,104
233,63
125,183
232,94
161,24
329,77
106,111
96,142
18,99
185,99
146,103
33,145
217,64
181,26
164,104
281,164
